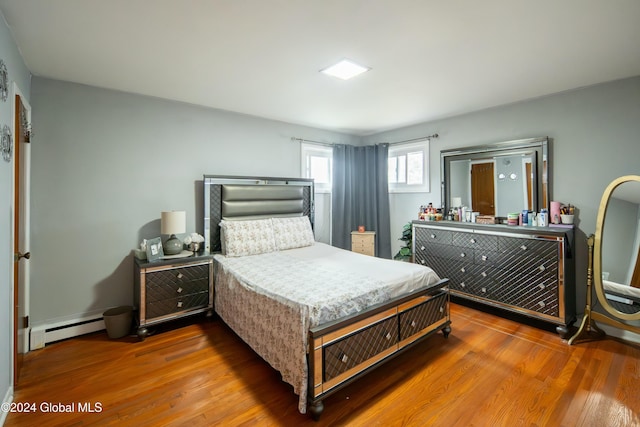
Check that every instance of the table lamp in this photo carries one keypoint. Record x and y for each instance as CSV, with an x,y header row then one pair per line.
x,y
172,223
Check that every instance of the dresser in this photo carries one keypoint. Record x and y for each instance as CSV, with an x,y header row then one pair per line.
x,y
171,289
526,270
363,242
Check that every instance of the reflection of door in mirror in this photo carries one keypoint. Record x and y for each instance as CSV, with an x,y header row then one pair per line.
x,y
482,192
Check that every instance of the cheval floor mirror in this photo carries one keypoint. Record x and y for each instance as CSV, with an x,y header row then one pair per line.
x,y
614,262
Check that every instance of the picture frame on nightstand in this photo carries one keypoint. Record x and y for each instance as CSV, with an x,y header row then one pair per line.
x,y
154,249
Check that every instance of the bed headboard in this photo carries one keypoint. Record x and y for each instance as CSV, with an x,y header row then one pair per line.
x,y
233,197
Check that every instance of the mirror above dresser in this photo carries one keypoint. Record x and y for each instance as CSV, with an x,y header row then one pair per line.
x,y
497,179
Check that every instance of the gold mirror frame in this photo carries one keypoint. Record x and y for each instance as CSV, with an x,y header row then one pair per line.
x,y
597,248
588,329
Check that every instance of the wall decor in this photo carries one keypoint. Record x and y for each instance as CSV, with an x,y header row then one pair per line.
x,y
7,143
4,81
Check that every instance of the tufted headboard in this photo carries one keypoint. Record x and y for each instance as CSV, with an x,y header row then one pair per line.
x,y
233,197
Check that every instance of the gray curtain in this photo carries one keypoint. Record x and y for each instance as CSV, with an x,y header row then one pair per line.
x,y
360,195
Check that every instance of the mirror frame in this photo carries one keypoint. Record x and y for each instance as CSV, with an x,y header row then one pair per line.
x,y
597,249
541,147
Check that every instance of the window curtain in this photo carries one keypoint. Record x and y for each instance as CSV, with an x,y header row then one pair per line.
x,y
360,195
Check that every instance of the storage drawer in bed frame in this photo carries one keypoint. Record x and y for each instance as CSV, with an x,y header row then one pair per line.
x,y
340,352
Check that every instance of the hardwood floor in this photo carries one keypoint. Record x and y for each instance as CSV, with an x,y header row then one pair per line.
x,y
489,372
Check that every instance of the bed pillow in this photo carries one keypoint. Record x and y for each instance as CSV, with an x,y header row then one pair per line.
x,y
253,237
294,232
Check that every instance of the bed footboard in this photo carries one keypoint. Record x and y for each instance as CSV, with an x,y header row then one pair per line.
x,y
342,351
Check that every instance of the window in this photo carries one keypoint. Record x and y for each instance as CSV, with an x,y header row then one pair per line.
x,y
316,164
408,167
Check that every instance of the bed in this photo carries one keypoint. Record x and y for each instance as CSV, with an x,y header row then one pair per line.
x,y
321,316
624,298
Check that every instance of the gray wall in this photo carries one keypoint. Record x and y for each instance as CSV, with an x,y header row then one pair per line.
x,y
106,163
595,135
19,74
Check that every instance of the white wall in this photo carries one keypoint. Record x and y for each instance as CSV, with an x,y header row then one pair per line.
x,y
106,163
19,74
595,134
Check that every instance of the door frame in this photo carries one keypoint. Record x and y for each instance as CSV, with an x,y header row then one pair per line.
x,y
25,224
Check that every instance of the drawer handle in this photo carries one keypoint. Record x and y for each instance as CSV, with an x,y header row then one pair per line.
x,y
423,261
462,285
484,257
388,336
441,309
422,248
413,324
179,305
484,290
180,276
542,268
179,290
541,286
523,247
344,358
463,255
433,236
484,274
542,304
464,270
472,240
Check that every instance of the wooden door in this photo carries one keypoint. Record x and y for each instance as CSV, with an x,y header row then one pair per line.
x,y
20,320
482,188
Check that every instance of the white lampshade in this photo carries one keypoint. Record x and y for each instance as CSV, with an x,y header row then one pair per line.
x,y
173,222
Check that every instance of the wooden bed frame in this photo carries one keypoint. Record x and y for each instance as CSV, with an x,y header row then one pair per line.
x,y
342,351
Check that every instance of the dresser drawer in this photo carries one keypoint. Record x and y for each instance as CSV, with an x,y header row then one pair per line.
x,y
168,290
171,283
349,352
444,251
415,319
527,248
426,235
176,305
475,240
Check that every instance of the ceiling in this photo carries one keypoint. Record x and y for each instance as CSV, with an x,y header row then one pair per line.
x,y
429,59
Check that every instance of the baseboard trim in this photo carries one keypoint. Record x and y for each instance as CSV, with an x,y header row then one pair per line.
x,y
45,334
8,398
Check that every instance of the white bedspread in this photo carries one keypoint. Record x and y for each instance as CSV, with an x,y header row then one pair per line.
x,y
272,300
633,293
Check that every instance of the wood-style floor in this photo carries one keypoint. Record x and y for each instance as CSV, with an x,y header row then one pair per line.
x,y
489,372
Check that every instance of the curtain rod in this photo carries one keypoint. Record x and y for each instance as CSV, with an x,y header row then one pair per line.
x,y
429,137
328,144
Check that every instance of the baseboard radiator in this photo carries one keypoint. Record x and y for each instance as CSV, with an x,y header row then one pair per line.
x,y
42,335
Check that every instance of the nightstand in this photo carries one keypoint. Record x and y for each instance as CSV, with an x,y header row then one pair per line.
x,y
171,289
364,242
